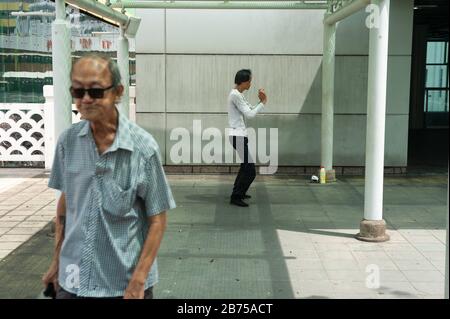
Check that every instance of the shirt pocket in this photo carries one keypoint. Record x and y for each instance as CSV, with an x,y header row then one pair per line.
x,y
116,201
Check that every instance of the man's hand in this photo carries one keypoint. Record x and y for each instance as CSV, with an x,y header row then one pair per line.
x,y
51,276
262,96
135,290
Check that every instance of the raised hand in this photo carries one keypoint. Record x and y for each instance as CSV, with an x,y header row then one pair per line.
x,y
262,96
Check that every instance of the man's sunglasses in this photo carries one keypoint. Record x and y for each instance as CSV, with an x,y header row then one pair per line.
x,y
95,93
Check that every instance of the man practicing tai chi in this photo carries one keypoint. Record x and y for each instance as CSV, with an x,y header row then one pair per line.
x,y
238,110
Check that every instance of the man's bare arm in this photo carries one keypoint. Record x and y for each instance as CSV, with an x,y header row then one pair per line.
x,y
155,234
60,224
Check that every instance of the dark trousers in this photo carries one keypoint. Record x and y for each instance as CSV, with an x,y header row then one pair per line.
x,y
247,171
63,294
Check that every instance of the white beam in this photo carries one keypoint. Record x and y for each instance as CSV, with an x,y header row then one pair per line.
x,y
220,5
346,11
33,13
101,10
376,114
329,39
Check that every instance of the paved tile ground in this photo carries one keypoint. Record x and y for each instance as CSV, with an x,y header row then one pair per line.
x,y
26,206
296,240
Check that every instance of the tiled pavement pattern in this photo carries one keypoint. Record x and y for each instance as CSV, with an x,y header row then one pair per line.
x,y
294,241
26,206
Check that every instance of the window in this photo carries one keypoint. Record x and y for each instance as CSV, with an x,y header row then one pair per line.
x,y
26,47
436,85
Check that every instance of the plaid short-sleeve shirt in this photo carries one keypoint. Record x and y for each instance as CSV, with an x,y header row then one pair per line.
x,y
109,198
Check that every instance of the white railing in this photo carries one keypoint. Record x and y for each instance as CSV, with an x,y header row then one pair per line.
x,y
21,132
26,133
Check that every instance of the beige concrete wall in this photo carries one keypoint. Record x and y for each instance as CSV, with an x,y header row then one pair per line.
x,y
186,61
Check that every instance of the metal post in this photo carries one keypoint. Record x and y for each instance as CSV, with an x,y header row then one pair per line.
x,y
123,61
329,40
61,54
373,227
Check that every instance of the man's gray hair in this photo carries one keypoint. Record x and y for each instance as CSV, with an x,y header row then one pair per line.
x,y
112,66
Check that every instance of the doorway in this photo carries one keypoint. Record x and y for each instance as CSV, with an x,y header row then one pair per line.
x,y
429,99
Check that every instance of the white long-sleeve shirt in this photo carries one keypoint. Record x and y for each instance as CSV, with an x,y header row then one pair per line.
x,y
238,110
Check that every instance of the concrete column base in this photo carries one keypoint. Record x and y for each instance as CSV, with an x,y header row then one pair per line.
x,y
331,176
372,231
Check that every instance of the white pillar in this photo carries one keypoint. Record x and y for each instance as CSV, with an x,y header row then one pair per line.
x,y
132,103
61,61
376,114
329,39
49,126
123,61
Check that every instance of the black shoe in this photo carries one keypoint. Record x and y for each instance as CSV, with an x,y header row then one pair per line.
x,y
238,202
246,196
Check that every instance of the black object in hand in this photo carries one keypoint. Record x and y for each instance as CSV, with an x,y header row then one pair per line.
x,y
50,291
